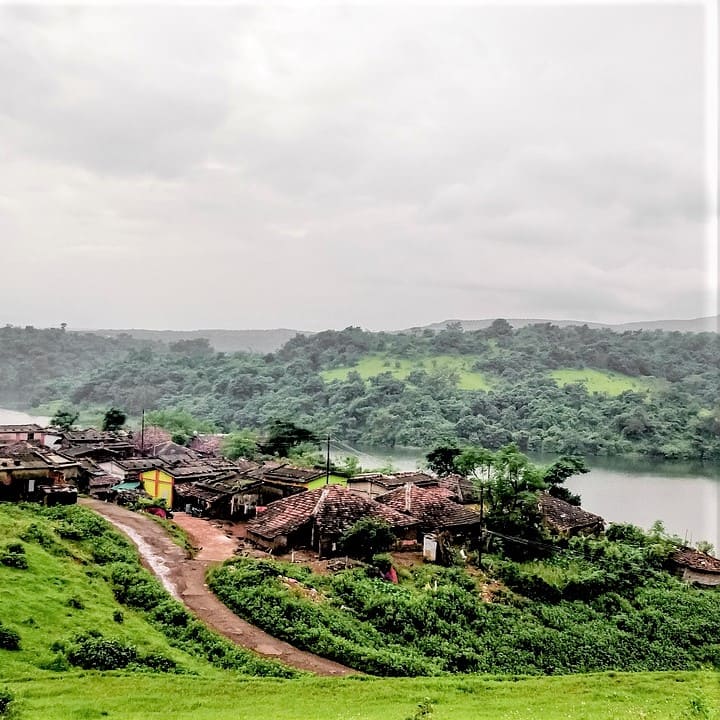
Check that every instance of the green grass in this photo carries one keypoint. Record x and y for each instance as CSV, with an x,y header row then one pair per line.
x,y
320,482
607,382
608,696
38,604
35,603
374,365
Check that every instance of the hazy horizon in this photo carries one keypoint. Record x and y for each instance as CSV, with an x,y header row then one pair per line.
x,y
371,329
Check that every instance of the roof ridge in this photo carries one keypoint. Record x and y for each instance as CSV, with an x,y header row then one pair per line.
x,y
321,501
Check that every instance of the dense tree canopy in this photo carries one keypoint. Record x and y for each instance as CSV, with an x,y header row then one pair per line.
x,y
499,386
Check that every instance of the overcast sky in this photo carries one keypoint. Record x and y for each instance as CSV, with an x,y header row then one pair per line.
x,y
243,167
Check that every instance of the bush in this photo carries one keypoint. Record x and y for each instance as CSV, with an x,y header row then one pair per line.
x,y
367,537
44,537
94,652
9,639
76,603
6,697
13,555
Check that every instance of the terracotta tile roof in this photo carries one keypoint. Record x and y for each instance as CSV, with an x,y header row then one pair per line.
x,y
245,466
563,517
430,505
140,464
30,427
696,560
461,488
393,480
333,509
288,473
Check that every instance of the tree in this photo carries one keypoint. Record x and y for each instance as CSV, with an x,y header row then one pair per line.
x,y
113,419
509,484
350,466
556,474
64,419
443,460
283,436
366,538
241,444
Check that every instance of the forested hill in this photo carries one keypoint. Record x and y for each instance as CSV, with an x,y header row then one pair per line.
x,y
30,357
547,388
260,341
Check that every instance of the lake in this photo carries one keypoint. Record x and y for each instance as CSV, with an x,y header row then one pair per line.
x,y
14,417
684,496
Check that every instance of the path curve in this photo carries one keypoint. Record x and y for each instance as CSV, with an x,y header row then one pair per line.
x,y
184,579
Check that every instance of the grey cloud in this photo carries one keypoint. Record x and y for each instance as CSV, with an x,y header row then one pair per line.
x,y
373,166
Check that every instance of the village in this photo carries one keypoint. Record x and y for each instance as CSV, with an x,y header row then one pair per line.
x,y
272,506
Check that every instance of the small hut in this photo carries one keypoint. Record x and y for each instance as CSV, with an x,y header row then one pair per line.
x,y
564,519
696,567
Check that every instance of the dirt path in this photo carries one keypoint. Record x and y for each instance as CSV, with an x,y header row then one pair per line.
x,y
184,579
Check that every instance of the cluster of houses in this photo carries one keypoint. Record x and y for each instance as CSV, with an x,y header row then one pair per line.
x,y
285,507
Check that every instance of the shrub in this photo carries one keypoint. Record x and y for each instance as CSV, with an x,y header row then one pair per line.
x,y
367,537
9,639
76,603
13,555
44,537
6,697
94,652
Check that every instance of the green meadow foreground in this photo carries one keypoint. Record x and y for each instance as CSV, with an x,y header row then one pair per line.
x,y
73,599
595,697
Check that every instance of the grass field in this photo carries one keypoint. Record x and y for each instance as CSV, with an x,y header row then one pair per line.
x,y
373,365
604,381
62,592
609,696
59,595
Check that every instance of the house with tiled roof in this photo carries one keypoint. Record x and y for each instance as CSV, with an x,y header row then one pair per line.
x,y
280,480
696,567
316,519
21,433
229,496
564,519
26,469
374,484
434,509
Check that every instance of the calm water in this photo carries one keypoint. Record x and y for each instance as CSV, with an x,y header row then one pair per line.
x,y
12,417
684,496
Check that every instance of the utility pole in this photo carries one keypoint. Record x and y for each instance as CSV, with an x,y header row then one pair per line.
x,y
482,527
327,462
142,433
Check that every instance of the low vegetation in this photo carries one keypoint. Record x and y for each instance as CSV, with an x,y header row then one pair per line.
x,y
608,696
606,382
595,605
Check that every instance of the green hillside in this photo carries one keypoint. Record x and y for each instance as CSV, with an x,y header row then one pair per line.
x,y
62,571
607,382
461,367
546,388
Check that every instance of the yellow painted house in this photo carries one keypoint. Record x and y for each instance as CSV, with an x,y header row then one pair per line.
x,y
158,484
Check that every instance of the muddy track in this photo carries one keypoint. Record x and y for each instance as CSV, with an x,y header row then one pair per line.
x,y
184,579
